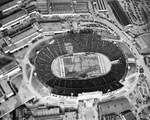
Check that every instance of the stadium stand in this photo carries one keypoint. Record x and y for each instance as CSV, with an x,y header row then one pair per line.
x,y
80,42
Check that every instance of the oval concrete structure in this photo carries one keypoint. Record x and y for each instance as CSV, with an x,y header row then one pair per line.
x,y
70,65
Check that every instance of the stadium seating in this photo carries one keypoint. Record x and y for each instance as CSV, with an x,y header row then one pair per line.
x,y
81,42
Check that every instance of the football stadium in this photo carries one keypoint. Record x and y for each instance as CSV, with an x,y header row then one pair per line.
x,y
74,60
80,62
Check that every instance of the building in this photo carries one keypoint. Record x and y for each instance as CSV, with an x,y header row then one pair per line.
x,y
12,18
119,13
128,115
44,113
114,107
9,67
2,95
70,116
3,2
21,40
5,89
111,117
42,6
81,7
60,6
